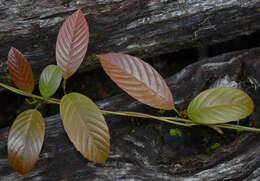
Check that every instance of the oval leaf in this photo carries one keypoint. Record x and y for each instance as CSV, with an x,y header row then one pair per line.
x,y
20,70
220,105
25,140
85,126
72,43
50,80
138,79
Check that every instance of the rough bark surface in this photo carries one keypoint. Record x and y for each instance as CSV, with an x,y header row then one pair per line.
x,y
138,27
140,153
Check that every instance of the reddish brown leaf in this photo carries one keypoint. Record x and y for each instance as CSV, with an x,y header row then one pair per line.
x,y
20,71
72,43
138,79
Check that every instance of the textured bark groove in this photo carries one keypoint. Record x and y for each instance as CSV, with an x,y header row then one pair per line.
x,y
143,28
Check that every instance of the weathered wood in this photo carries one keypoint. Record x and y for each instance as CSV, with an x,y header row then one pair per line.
x,y
140,153
140,27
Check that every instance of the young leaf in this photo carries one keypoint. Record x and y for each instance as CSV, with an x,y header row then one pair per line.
x,y
220,105
20,70
72,43
25,140
138,79
50,80
85,126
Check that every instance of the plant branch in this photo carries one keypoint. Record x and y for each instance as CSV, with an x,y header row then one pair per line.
x,y
141,115
184,122
179,119
178,113
171,120
64,85
239,128
20,92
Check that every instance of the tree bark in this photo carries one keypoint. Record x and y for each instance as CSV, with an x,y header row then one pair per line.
x,y
140,152
139,27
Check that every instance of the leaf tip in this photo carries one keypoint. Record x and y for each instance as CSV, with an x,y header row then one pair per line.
x,y
99,56
12,49
102,159
79,11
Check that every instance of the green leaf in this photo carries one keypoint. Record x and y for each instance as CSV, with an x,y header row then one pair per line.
x,y
220,105
50,80
85,126
25,140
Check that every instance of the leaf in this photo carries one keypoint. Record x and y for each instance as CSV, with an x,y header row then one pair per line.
x,y
72,43
25,140
220,105
85,126
138,79
20,70
50,80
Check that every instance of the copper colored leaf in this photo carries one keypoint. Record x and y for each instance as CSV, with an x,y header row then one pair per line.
x,y
85,126
25,140
20,70
138,79
220,105
72,43
50,80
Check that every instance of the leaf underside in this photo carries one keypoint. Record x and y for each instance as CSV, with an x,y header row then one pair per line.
x,y
25,140
139,79
72,43
50,80
20,70
85,126
220,105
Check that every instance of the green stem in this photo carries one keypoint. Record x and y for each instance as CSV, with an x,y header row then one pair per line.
x,y
18,91
174,120
237,127
179,119
64,85
33,101
38,105
141,115
227,126
178,113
